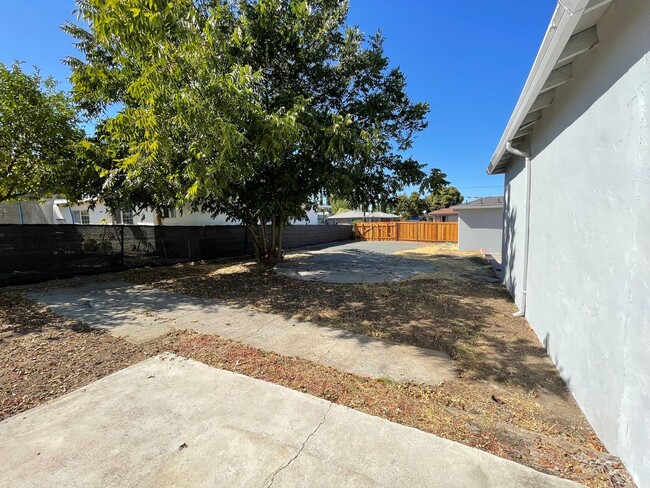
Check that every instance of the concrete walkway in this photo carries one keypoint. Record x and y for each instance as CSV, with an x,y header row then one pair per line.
x,y
357,262
175,422
140,314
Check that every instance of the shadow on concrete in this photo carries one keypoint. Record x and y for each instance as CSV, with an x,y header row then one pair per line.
x,y
445,311
354,263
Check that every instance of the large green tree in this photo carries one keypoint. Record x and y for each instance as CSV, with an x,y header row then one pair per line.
x,y
247,107
410,206
444,197
39,132
340,205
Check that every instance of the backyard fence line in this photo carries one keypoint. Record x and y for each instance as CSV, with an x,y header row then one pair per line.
x,y
32,253
407,231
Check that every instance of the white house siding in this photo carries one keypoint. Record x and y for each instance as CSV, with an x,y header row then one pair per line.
x,y
589,270
98,215
196,218
101,215
480,228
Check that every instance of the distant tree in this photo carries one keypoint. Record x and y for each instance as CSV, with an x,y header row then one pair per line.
x,y
39,132
340,205
434,181
445,197
245,107
411,206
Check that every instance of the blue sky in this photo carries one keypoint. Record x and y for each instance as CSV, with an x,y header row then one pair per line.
x,y
468,59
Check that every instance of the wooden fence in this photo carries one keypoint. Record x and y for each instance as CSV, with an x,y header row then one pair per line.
x,y
407,231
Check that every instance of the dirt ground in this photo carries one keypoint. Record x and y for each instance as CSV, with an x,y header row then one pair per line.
x,y
509,399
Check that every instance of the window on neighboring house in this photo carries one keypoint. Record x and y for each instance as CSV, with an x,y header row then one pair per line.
x,y
85,217
127,218
76,216
123,217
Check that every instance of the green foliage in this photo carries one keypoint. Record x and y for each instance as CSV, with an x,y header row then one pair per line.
x,y
340,205
248,108
434,181
411,206
38,136
445,197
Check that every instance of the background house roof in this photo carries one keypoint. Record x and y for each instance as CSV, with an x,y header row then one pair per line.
x,y
353,214
572,32
485,202
443,211
384,215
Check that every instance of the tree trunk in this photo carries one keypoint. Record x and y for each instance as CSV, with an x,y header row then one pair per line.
x,y
267,245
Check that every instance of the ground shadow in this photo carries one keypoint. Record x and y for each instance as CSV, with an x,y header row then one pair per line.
x,y
448,310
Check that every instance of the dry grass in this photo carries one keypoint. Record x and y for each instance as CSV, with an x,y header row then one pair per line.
x,y
509,401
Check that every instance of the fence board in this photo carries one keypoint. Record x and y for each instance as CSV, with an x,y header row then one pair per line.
x,y
407,231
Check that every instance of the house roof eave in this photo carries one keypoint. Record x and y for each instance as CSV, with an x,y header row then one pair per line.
x,y
571,32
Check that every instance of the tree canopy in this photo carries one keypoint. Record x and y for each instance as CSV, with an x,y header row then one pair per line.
x,y
39,131
340,205
410,206
440,195
249,108
445,197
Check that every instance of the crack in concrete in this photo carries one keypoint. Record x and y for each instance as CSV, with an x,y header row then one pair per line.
x,y
247,336
286,465
328,351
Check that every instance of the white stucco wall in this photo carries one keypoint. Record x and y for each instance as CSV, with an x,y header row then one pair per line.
x,y
197,218
514,215
480,228
98,215
101,215
589,269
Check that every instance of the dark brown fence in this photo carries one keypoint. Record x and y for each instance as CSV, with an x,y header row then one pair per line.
x,y
30,253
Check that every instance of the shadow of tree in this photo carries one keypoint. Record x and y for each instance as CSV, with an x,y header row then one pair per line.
x,y
20,316
447,310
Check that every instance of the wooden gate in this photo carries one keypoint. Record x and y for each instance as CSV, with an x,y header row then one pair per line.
x,y
407,231
376,231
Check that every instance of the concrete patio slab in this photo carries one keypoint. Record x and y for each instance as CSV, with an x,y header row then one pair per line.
x,y
140,314
358,262
170,421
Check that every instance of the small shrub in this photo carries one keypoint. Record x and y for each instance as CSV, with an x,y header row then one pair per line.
x,y
90,245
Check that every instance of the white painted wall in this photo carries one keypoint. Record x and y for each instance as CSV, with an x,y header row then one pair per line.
x,y
196,218
514,215
101,215
98,215
589,270
480,228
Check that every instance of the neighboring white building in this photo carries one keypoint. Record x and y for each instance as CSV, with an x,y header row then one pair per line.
x,y
65,213
352,216
576,247
480,225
